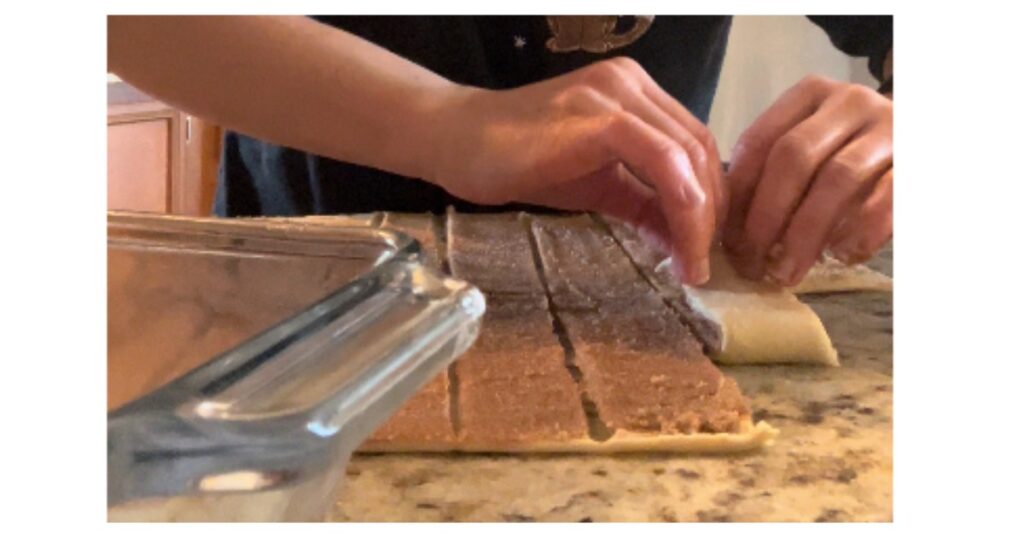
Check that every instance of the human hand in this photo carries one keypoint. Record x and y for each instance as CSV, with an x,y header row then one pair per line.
x,y
813,172
603,138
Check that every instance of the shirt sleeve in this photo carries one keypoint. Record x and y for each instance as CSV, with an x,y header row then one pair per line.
x,y
862,36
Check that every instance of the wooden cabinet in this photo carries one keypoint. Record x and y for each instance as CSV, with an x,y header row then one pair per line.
x,y
159,159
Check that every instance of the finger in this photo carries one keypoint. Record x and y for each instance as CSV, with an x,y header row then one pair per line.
x,y
632,88
629,199
721,190
661,163
791,164
585,144
752,148
713,163
695,150
845,179
614,191
869,227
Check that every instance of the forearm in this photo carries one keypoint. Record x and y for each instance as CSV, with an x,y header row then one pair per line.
x,y
287,80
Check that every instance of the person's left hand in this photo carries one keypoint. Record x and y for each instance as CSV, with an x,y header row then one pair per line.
x,y
813,172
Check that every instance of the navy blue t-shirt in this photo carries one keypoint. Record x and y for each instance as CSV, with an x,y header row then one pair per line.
x,y
683,54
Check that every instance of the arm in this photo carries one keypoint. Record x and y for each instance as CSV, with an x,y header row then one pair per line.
x,y
814,172
289,80
604,138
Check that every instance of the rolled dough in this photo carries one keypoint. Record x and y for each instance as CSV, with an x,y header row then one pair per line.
x,y
831,275
759,323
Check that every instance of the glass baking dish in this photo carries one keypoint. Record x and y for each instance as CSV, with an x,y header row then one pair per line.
x,y
247,360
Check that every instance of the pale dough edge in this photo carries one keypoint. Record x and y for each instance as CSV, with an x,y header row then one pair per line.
x,y
831,276
751,436
756,337
759,323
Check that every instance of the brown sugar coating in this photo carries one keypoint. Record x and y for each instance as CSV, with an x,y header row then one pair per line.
x,y
493,252
639,250
658,392
513,383
517,410
424,418
583,264
645,371
647,259
645,256
642,324
523,321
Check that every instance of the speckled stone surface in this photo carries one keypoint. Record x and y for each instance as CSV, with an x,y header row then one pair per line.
x,y
831,462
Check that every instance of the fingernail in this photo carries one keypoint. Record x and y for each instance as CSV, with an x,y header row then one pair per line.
x,y
782,271
675,267
846,251
693,275
666,265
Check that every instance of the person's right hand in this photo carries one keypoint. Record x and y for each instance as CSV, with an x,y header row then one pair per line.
x,y
604,138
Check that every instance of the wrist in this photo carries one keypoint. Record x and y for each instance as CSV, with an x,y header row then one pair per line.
x,y
442,121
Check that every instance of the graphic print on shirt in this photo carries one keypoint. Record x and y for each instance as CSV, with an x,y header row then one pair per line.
x,y
593,33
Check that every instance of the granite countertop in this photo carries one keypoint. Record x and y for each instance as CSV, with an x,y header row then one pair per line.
x,y
831,462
